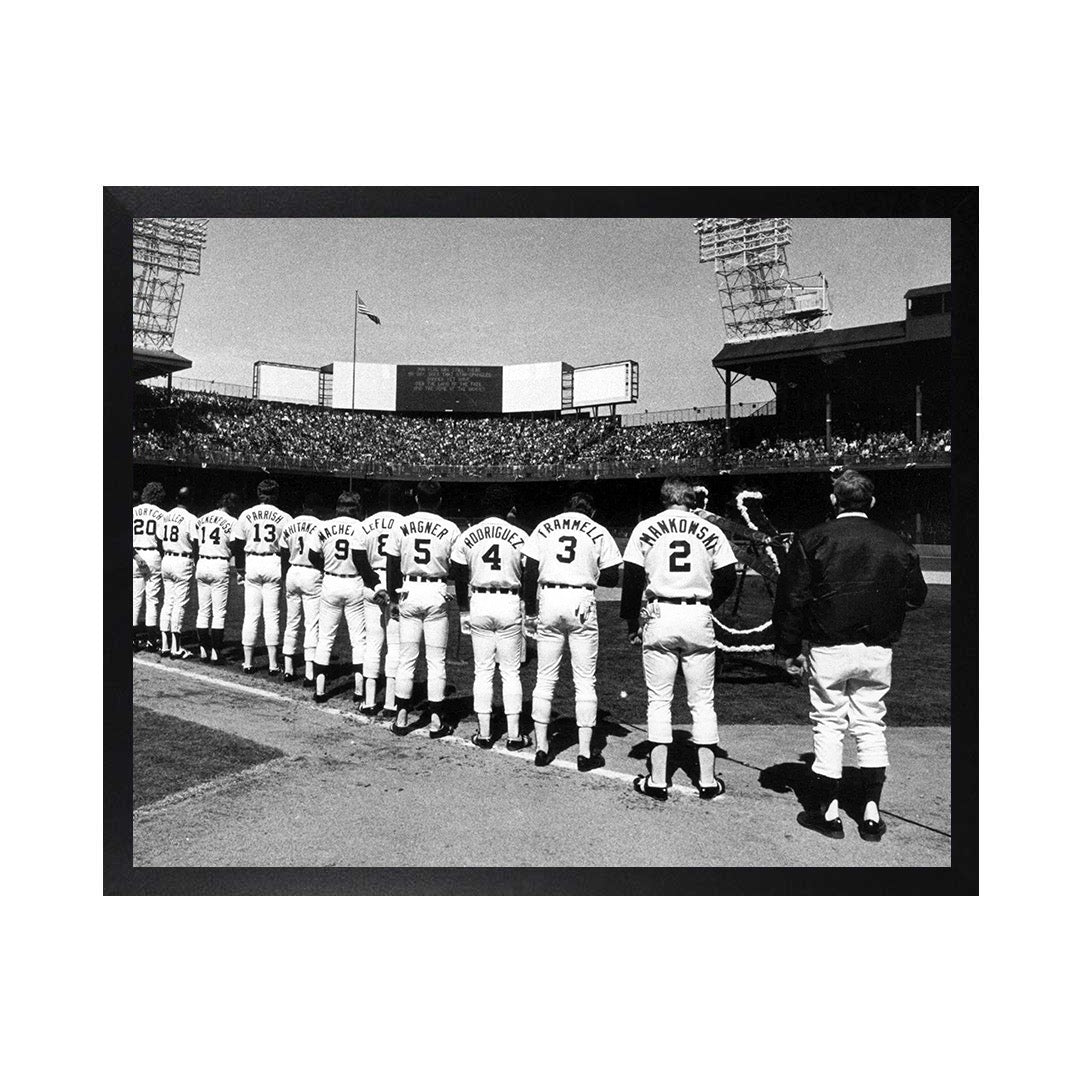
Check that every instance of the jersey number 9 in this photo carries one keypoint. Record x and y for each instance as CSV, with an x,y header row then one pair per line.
x,y
341,549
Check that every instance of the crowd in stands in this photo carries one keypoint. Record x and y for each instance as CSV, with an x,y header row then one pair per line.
x,y
215,427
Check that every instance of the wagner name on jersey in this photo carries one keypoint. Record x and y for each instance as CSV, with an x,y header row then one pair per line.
x,y
214,531
146,522
571,549
679,552
376,531
493,552
260,527
337,539
178,531
299,537
423,542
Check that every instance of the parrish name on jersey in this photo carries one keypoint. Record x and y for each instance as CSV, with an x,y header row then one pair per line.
x,y
708,534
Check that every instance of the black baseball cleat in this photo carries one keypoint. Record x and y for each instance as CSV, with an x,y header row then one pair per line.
x,y
543,758
308,683
833,829
872,830
441,731
183,654
273,672
587,764
321,699
403,730
370,711
711,792
247,670
643,787
289,677
218,661
484,743
520,743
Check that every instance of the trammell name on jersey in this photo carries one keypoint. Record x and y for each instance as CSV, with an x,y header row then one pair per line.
x,y
679,552
571,549
493,552
299,536
214,531
146,522
260,527
338,539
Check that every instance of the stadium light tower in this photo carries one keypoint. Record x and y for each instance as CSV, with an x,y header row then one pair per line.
x,y
758,298
162,251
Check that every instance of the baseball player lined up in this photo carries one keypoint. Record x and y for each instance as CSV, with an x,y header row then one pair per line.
x,y
256,544
383,638
678,568
486,562
337,552
147,518
303,588
418,563
212,577
180,542
566,558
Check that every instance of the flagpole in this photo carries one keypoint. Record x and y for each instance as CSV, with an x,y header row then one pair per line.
x,y
355,317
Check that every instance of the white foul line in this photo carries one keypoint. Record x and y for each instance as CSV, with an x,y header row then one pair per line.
x,y
359,718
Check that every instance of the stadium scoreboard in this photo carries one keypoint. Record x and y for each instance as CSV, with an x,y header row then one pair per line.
x,y
449,388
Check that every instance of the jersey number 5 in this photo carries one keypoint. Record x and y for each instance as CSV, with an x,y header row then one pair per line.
x,y
570,544
680,549
422,548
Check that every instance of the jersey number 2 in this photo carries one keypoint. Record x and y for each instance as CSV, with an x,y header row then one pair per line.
x,y
680,549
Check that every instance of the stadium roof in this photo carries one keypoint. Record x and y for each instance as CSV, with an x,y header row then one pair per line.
x,y
149,363
928,290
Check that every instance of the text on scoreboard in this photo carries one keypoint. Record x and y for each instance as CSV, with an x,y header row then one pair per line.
x,y
449,388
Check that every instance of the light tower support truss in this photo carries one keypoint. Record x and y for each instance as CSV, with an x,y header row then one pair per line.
x,y
163,250
758,298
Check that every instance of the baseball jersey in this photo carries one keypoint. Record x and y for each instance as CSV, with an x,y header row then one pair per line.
x,y
337,539
178,531
571,549
492,550
146,522
260,527
299,537
679,552
376,531
423,541
214,531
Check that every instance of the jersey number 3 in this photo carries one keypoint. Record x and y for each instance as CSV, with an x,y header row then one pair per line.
x,y
569,543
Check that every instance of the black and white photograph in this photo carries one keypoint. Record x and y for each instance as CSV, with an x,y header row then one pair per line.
x,y
538,532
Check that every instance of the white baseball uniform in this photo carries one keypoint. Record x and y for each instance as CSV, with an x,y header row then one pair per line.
x,y
493,553
381,629
342,588
146,522
214,531
260,527
571,550
679,552
177,566
303,585
423,542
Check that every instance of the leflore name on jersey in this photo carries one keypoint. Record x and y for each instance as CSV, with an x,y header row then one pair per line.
x,y
376,532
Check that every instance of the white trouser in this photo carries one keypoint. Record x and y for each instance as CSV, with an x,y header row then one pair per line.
x,y
340,596
381,631
176,574
262,599
675,633
212,582
422,612
848,684
495,627
303,586
568,615
146,581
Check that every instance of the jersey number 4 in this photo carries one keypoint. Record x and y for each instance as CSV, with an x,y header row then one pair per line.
x,y
491,557
569,544
679,551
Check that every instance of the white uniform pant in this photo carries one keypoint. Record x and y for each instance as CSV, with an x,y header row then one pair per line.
x,y
848,684
340,596
303,588
383,641
568,615
146,582
422,610
674,634
495,627
176,574
262,599
212,582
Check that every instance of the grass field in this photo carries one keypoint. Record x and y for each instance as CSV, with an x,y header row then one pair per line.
x,y
171,754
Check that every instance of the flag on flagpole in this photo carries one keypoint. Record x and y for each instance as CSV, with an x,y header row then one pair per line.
x,y
363,309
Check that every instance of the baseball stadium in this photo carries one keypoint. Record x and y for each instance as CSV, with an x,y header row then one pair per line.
x,y
253,749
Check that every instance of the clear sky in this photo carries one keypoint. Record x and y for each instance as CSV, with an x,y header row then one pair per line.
x,y
514,291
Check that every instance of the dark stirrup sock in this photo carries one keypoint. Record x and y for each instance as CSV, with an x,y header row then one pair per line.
x,y
873,780
217,640
826,788
203,635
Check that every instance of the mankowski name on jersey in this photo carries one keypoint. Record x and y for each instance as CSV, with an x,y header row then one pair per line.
x,y
677,522
146,521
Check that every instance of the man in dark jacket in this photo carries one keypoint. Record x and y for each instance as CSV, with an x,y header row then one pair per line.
x,y
845,588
